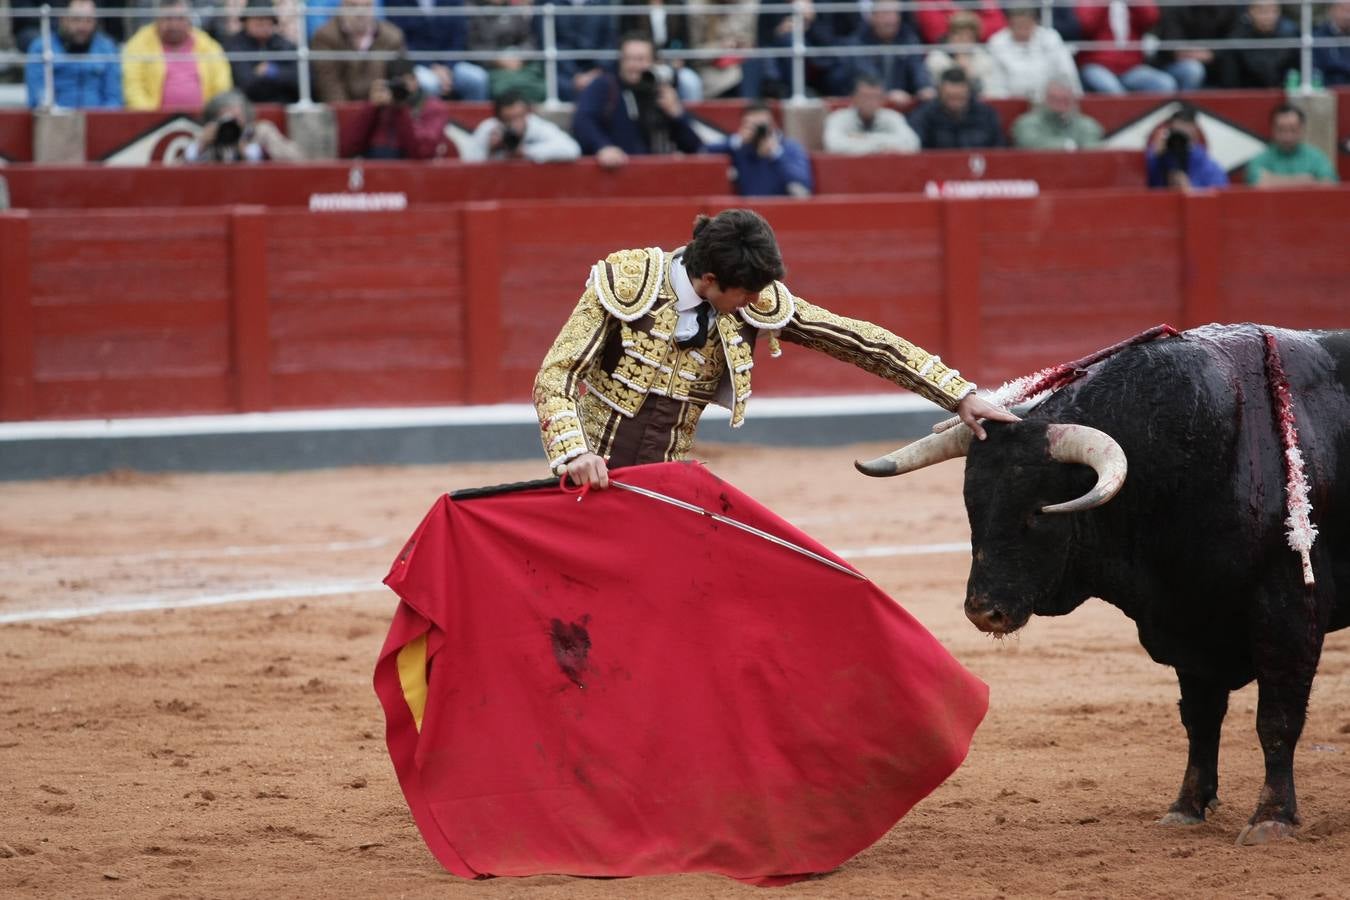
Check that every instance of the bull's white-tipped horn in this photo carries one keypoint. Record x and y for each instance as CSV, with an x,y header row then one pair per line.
x,y
1089,447
925,452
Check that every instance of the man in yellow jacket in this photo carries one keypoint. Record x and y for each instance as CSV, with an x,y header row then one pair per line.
x,y
171,65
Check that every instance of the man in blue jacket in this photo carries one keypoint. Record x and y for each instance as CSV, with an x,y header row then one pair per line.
x,y
766,162
77,82
634,112
1176,158
439,34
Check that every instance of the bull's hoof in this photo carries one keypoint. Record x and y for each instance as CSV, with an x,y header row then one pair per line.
x,y
1181,818
1264,833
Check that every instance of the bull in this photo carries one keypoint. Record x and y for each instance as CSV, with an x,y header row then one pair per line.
x,y
1192,546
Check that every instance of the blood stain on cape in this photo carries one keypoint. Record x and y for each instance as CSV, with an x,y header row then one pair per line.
x,y
571,644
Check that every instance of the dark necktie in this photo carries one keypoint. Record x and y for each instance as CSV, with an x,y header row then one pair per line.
x,y
700,337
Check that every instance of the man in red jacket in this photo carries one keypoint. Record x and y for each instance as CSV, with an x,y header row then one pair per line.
x,y
399,122
1119,69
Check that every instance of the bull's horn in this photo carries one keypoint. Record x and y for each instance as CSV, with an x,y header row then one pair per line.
x,y
932,449
1089,447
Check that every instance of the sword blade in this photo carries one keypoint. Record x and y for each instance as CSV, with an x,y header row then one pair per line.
x,y
749,529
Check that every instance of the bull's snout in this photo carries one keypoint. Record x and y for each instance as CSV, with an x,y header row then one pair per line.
x,y
987,616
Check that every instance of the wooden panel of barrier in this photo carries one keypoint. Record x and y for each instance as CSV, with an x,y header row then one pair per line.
x,y
156,312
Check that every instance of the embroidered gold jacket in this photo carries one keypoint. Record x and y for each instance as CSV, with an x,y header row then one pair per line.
x,y
617,349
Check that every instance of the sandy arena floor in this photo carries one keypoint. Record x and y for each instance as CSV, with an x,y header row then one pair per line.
x,y
237,750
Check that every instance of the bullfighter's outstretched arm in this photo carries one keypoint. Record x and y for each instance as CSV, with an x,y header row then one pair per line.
x,y
874,349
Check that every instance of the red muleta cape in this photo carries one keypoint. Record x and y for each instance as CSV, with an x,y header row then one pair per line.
x,y
618,686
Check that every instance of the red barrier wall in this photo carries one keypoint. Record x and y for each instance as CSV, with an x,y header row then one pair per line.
x,y
140,312
281,184
88,187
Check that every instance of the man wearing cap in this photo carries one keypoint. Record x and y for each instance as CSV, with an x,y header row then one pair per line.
x,y
658,336
267,80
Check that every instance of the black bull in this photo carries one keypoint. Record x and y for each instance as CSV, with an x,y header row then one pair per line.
x,y
1193,547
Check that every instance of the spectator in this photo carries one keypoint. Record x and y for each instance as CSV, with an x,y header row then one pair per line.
x,y
581,33
963,28
227,20
399,121
1193,67
772,77
510,29
867,126
956,120
515,132
1259,68
1027,57
1288,158
633,112
1334,62
77,83
729,32
423,33
903,76
668,30
1175,157
765,162
1056,122
354,28
934,21
319,13
1119,69
168,64
264,81
233,133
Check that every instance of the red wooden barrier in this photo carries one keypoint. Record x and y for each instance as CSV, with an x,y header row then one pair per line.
x,y
1050,170
139,312
280,184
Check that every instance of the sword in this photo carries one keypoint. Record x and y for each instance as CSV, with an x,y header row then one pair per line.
x,y
771,538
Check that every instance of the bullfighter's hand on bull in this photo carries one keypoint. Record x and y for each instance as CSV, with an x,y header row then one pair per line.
x,y
973,408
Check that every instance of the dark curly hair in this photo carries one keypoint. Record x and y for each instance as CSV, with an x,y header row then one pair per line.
x,y
738,247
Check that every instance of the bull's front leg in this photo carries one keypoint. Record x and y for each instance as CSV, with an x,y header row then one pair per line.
x,y
1203,706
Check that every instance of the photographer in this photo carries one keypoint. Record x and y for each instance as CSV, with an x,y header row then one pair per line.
x,y
399,122
231,133
766,163
515,132
637,111
1176,158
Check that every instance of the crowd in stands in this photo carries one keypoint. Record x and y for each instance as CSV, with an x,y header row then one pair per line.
x,y
956,59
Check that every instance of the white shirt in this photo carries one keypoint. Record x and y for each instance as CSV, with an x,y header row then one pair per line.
x,y
687,300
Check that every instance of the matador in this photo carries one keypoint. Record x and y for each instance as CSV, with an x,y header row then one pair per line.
x,y
657,336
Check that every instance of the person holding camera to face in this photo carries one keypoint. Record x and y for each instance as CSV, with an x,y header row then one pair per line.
x,y
232,133
766,163
399,121
636,111
1176,158
515,132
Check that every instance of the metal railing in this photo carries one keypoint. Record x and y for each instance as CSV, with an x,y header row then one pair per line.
x,y
799,51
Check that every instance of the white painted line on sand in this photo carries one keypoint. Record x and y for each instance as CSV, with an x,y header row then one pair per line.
x,y
152,603
129,604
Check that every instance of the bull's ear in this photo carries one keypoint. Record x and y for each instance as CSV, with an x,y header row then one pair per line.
x,y
1089,447
935,448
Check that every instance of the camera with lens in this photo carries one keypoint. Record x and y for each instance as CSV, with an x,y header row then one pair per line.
x,y
760,135
510,140
1177,150
398,90
228,133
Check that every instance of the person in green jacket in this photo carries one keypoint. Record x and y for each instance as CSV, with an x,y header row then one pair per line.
x,y
1056,123
1288,159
